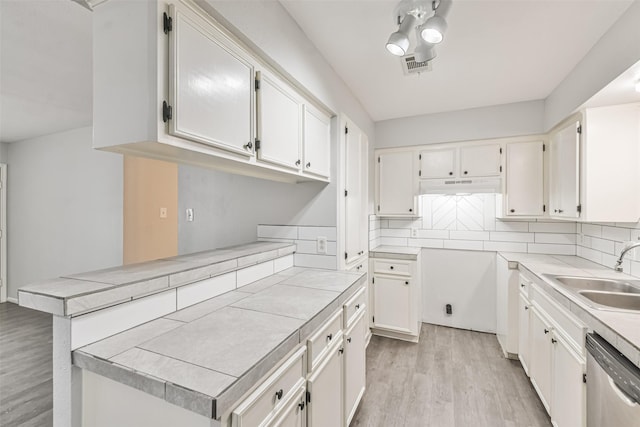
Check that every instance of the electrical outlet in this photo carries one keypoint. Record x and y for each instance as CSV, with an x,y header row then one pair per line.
x,y
414,232
321,245
189,215
163,213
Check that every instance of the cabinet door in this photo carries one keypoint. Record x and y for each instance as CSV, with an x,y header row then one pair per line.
x,y
396,183
438,163
293,413
325,388
317,142
279,122
524,182
524,339
393,304
569,390
355,196
564,179
540,368
480,160
211,86
354,367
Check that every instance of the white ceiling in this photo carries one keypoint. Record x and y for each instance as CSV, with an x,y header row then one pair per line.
x,y
45,68
494,52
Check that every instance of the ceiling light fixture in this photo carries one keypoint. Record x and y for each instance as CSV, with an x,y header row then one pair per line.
x,y
399,41
428,19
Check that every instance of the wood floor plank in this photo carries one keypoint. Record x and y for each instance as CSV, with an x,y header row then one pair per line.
x,y
26,385
452,378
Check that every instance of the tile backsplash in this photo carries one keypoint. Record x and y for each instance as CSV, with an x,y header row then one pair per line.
x,y
305,238
469,222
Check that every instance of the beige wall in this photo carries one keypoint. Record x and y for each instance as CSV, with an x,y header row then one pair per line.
x,y
149,185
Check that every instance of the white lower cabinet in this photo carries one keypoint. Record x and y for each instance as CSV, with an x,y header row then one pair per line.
x,y
262,406
551,347
293,412
396,296
354,366
568,400
524,350
325,390
540,369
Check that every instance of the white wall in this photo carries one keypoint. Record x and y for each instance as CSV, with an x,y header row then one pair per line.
x,y
4,150
614,53
64,203
228,208
522,118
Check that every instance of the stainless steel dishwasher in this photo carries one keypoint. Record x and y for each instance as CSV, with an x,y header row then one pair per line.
x,y
613,386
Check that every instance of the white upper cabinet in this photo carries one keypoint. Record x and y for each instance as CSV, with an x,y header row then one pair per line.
x,y
610,172
480,160
279,122
564,172
524,179
439,163
396,181
172,83
211,86
317,141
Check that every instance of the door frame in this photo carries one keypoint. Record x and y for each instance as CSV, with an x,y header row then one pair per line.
x,y
3,232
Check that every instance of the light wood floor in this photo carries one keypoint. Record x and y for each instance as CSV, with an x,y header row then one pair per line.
x,y
452,378
26,387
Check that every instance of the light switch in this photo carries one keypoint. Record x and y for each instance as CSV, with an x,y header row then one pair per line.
x,y
163,213
190,215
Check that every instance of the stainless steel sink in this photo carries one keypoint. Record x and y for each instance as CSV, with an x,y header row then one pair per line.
x,y
596,284
602,294
622,301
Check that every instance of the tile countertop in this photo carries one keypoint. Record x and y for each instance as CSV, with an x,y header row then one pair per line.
x,y
621,329
79,293
206,357
395,252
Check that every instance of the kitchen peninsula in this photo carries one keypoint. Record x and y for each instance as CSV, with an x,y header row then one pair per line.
x,y
202,339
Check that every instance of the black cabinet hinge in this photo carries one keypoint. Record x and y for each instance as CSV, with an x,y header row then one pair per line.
x,y
167,23
257,85
579,208
345,193
378,159
257,144
167,112
584,378
544,147
500,150
373,280
346,130
378,208
544,208
346,255
419,173
373,319
579,129
500,168
308,397
419,156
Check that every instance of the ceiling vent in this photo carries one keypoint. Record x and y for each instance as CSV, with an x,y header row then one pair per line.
x,y
410,66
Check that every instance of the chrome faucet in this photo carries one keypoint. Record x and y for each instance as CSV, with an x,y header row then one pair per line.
x,y
618,266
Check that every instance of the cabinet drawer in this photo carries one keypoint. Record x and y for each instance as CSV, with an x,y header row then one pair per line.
x,y
353,307
392,267
567,323
319,343
266,400
524,285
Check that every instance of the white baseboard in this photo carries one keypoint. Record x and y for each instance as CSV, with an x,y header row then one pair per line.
x,y
12,300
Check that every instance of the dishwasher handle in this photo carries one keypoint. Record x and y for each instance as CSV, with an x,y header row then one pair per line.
x,y
628,400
